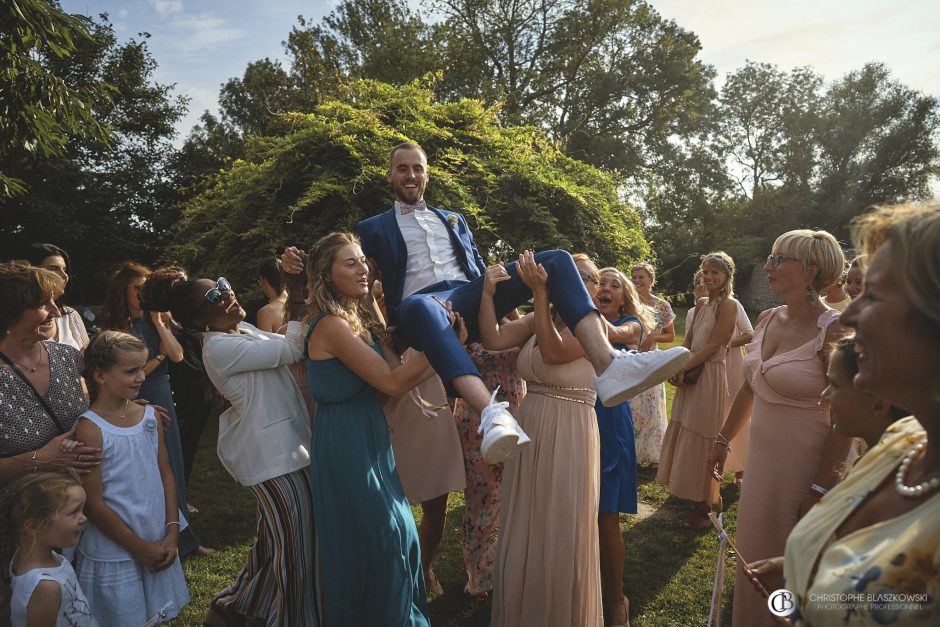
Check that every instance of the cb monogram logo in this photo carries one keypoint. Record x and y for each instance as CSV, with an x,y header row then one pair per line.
x,y
781,602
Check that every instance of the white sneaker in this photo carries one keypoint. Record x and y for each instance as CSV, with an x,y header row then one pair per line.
x,y
503,438
632,372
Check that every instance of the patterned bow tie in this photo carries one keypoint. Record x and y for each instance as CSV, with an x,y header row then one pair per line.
x,y
404,208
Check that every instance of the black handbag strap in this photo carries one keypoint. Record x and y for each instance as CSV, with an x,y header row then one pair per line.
x,y
42,401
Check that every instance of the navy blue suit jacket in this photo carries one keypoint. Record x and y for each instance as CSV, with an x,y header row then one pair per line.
x,y
382,242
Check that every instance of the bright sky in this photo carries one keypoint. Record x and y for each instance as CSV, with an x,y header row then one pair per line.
x,y
199,44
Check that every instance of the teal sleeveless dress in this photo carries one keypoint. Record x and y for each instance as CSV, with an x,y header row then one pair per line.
x,y
370,561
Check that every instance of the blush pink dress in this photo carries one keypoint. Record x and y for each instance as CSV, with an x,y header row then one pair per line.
x,y
698,411
548,557
788,430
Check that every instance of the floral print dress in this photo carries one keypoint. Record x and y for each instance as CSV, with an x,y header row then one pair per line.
x,y
482,494
649,407
884,574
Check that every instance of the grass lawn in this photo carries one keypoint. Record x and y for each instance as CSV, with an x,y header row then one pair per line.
x,y
668,571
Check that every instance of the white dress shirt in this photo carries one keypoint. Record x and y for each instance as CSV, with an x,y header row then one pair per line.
x,y
266,431
431,254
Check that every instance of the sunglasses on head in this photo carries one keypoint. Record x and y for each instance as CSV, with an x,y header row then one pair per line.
x,y
214,295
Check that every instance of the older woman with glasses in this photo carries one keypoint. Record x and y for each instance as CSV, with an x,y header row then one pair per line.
x,y
793,454
878,532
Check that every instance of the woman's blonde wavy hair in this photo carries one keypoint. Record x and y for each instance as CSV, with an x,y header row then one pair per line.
x,y
631,304
324,298
725,263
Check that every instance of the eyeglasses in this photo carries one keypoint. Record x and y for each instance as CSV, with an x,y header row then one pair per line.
x,y
588,278
214,295
779,258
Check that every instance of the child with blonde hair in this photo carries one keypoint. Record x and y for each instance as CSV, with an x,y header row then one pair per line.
x,y
43,511
128,561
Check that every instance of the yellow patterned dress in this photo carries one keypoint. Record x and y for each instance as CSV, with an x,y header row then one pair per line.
x,y
885,574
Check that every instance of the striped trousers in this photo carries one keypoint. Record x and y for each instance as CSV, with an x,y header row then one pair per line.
x,y
279,581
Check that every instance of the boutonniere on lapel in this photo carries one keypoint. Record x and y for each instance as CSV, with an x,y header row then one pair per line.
x,y
452,218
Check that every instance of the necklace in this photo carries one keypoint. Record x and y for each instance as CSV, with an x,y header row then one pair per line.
x,y
32,369
921,489
114,413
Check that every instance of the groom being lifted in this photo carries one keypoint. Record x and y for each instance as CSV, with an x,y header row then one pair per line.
x,y
426,256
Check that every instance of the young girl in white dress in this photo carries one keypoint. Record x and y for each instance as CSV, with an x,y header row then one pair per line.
x,y
44,510
127,562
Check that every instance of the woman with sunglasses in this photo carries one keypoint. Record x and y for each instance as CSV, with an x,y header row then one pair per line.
x,y
263,444
793,455
123,311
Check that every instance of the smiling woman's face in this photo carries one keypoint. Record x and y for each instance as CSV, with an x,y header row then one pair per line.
x,y
221,316
897,360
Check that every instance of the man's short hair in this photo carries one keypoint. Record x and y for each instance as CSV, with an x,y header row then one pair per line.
x,y
405,146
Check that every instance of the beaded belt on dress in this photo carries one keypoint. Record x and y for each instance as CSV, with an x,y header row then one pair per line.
x,y
586,396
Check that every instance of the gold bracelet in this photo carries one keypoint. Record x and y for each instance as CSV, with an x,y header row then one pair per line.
x,y
34,460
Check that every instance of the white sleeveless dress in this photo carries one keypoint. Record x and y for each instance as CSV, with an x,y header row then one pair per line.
x,y
73,607
121,590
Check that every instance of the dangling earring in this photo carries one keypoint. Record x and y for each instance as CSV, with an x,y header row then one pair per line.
x,y
811,295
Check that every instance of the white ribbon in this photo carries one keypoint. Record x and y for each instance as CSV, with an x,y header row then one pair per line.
x,y
718,583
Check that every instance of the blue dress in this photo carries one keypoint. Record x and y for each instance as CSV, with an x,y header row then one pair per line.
x,y
156,389
618,452
370,561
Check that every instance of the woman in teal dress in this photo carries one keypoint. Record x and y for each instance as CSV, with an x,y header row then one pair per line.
x,y
370,560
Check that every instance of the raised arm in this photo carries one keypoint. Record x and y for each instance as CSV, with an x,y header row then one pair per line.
x,y
169,345
556,347
493,336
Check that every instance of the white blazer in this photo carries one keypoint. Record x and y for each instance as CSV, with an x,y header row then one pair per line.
x,y
266,431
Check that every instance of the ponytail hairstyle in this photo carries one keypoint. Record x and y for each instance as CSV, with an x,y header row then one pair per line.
x,y
270,272
116,312
33,495
103,352
723,262
170,289
323,296
631,303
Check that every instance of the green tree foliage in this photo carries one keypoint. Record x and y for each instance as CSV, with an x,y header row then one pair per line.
x,y
103,201
515,188
39,109
610,79
796,152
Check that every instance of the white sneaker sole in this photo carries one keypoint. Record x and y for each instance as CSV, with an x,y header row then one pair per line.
x,y
501,448
655,377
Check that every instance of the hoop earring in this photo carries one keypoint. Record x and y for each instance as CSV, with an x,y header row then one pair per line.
x,y
811,297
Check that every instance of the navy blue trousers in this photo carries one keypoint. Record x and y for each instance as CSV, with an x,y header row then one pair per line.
x,y
425,325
